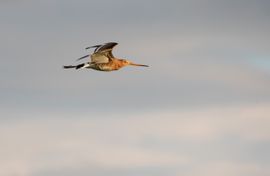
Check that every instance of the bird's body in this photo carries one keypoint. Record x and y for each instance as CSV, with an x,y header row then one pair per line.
x,y
103,60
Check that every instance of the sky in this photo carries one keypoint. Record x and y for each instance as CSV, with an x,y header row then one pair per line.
x,y
201,108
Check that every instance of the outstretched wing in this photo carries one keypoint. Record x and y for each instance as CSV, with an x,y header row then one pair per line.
x,y
105,48
102,53
96,46
83,57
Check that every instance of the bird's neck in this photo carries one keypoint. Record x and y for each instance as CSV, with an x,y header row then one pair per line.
x,y
118,64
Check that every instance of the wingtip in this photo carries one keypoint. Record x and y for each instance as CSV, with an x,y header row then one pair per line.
x,y
83,57
95,46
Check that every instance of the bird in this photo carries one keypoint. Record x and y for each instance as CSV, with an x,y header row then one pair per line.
x,y
102,59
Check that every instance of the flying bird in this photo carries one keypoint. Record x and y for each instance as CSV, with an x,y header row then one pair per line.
x,y
102,59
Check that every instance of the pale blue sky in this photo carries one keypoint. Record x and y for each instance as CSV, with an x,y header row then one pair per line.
x,y
201,108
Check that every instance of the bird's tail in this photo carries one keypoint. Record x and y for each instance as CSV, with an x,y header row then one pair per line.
x,y
69,66
76,66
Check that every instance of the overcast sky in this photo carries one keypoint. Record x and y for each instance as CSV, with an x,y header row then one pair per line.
x,y
201,108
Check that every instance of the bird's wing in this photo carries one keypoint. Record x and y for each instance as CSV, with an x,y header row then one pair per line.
x,y
96,46
105,49
99,58
106,46
83,57
102,53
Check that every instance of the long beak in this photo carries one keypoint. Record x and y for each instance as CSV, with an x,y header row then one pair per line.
x,y
139,65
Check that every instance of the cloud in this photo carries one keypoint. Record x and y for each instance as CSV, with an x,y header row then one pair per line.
x,y
169,140
229,168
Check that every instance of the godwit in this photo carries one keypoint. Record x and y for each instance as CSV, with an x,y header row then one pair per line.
x,y
103,60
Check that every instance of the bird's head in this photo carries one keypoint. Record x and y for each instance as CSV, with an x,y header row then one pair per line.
x,y
127,62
